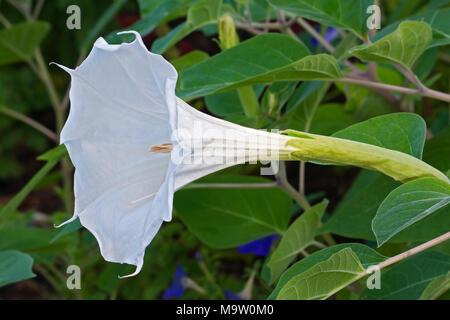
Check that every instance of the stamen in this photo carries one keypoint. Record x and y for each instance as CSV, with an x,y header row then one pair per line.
x,y
162,148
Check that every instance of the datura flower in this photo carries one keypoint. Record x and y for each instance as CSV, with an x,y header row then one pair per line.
x,y
134,143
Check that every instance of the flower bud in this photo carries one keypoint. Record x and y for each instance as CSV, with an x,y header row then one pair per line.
x,y
227,32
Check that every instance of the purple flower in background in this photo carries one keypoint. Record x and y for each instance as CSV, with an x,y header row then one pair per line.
x,y
330,34
260,247
246,293
231,295
177,287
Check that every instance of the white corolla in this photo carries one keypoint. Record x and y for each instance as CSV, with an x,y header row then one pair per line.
x,y
134,143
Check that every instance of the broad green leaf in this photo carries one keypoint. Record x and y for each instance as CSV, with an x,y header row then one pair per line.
x,y
337,13
324,279
408,279
19,42
52,157
265,58
437,150
409,203
31,240
354,214
227,104
15,266
298,236
426,63
225,218
153,13
329,118
404,132
199,15
437,287
189,59
324,119
403,46
436,18
366,256
369,107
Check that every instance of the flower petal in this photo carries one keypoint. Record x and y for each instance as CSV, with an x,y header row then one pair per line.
x,y
122,103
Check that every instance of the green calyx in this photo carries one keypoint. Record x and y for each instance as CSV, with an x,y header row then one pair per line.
x,y
330,150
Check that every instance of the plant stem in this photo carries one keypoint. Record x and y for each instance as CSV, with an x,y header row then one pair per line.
x,y
32,123
414,250
404,255
301,177
249,101
318,244
59,114
284,183
5,21
46,79
315,34
419,92
37,9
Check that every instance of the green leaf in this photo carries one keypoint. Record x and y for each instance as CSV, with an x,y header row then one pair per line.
x,y
189,59
404,132
366,256
199,15
303,105
31,240
15,266
227,104
409,203
354,214
437,150
324,279
55,154
19,42
436,18
52,157
403,46
298,236
225,218
265,58
437,287
224,104
153,13
408,279
337,13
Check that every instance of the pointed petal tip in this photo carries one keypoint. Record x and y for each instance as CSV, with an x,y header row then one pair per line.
x,y
136,34
68,70
138,269
75,216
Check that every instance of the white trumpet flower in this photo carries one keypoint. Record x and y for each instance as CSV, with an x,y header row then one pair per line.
x,y
134,143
